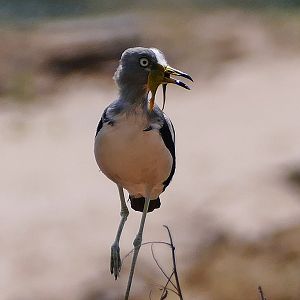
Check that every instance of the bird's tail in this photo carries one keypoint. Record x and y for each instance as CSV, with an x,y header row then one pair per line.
x,y
138,203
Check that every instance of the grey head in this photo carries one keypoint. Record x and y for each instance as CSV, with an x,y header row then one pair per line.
x,y
142,70
133,71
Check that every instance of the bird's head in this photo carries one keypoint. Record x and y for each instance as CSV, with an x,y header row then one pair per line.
x,y
144,69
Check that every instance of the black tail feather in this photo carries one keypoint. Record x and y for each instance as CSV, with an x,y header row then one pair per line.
x,y
138,204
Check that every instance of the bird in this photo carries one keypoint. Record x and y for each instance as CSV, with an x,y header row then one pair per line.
x,y
135,141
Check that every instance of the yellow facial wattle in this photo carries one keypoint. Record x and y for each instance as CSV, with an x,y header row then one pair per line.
x,y
155,79
161,75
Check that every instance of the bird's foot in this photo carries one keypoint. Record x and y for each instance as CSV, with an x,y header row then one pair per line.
x,y
115,261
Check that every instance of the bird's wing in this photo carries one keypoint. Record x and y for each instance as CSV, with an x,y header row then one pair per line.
x,y
105,118
110,114
167,133
100,124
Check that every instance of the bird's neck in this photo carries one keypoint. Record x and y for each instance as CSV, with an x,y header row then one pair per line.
x,y
134,95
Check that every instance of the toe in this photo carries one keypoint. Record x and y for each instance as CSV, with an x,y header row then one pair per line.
x,y
115,261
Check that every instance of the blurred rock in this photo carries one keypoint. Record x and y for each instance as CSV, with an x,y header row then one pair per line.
x,y
84,45
36,58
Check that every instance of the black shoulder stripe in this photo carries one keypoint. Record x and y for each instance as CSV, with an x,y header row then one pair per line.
x,y
102,120
100,124
166,135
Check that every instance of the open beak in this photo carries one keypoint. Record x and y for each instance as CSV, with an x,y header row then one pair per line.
x,y
162,75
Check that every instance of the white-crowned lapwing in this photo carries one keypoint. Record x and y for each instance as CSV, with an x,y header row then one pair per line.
x,y
135,140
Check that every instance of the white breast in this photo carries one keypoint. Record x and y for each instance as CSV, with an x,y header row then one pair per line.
x,y
137,160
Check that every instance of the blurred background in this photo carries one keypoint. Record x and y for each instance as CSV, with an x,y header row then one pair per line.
x,y
233,206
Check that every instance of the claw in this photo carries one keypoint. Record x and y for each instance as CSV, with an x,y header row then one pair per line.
x,y
115,261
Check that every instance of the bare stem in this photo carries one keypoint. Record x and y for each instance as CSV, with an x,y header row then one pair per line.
x,y
144,244
164,294
165,288
261,293
161,269
174,263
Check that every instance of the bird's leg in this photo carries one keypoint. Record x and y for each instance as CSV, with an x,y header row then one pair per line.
x,y
115,260
137,245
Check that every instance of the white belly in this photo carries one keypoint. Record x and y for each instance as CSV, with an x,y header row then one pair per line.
x,y
135,159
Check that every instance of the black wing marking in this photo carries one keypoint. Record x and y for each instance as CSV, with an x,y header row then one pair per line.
x,y
100,125
104,119
167,133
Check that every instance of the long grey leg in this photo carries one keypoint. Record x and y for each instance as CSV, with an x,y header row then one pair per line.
x,y
115,259
137,245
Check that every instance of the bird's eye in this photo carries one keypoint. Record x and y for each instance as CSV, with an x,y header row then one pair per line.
x,y
144,62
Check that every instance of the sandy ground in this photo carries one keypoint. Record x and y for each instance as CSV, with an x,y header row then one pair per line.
x,y
237,136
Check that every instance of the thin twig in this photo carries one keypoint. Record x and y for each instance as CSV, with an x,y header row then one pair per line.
x,y
174,263
167,288
161,288
156,261
166,285
146,243
261,293
164,295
